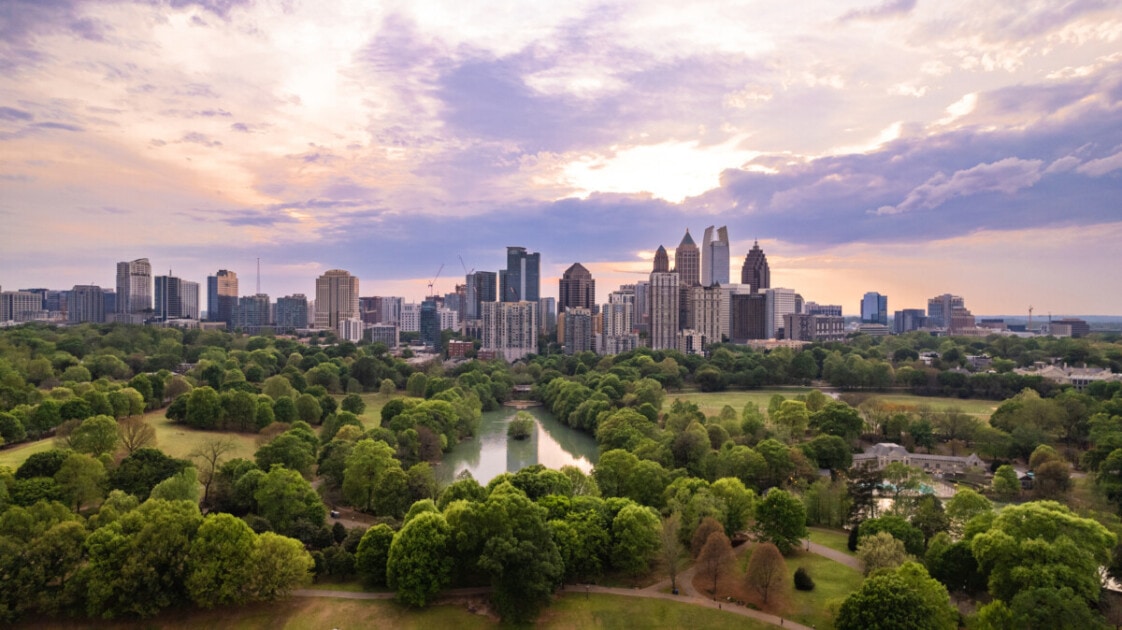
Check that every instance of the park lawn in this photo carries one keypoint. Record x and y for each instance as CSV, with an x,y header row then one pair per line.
x,y
834,539
15,456
372,416
295,613
833,582
579,611
179,440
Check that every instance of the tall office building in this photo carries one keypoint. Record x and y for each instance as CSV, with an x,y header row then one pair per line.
x,y
521,280
252,313
661,261
715,257
755,271
664,310
687,262
577,289
134,286
429,325
779,302
578,330
482,286
176,298
941,308
749,317
21,306
708,320
510,329
336,298
874,308
908,320
86,304
222,297
292,312
547,315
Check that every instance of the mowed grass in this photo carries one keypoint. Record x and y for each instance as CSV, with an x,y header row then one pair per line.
x,y
295,613
833,582
711,403
578,611
836,540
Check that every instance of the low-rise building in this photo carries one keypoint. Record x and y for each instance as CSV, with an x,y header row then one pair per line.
x,y
880,455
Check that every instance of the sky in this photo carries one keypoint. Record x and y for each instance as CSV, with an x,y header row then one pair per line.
x,y
909,147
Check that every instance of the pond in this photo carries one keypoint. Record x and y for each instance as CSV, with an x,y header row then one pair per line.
x,y
490,453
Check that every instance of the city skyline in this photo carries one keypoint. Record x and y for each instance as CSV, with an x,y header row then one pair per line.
x,y
983,160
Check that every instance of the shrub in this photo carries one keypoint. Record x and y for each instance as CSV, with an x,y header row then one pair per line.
x,y
803,581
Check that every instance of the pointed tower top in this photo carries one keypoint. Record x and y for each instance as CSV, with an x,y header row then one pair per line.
x,y
687,240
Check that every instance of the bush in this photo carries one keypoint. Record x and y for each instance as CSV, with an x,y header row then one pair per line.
x,y
803,581
521,427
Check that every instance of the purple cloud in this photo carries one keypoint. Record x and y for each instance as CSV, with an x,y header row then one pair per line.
x,y
1006,176
887,9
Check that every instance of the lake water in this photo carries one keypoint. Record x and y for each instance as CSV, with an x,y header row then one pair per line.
x,y
490,453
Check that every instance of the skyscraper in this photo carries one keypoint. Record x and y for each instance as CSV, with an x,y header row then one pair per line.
x,y
222,297
755,271
176,298
521,280
134,286
661,261
252,313
687,262
336,298
941,307
874,308
779,302
578,330
663,318
292,312
715,257
481,287
510,329
577,289
86,304
430,325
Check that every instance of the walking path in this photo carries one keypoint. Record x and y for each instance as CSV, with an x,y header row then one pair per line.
x,y
687,593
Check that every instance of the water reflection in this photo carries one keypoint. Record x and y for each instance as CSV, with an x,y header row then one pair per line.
x,y
490,454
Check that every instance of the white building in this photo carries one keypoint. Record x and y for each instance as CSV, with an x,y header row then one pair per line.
x,y
510,329
350,330
779,303
663,319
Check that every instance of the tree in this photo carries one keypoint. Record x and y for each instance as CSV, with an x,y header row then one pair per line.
x,y
1043,545
1052,480
182,486
135,433
285,498
899,529
701,533
953,564
419,565
289,450
780,520
387,388
308,409
837,418
904,598
1040,608
1005,483
881,551
373,554
354,404
716,556
368,461
204,408
767,571
82,480
138,473
95,435
929,517
219,564
280,564
792,416
207,457
670,547
963,506
635,539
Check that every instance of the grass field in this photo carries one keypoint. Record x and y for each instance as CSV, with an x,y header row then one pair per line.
x,y
711,403
833,583
836,540
579,611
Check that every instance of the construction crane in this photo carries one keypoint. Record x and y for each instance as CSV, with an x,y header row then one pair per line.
x,y
435,277
466,272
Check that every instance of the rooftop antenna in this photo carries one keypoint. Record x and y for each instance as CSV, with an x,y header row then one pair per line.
x,y
259,275
1030,318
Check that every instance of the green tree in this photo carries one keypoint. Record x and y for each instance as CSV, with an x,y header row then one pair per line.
x,y
308,409
905,598
780,520
898,528
354,404
635,539
419,565
219,563
138,473
373,554
963,506
95,435
387,388
1005,483
280,564
204,408
82,480
285,498
367,463
881,551
182,486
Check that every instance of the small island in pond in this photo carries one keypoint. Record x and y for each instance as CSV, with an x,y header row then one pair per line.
x,y
521,426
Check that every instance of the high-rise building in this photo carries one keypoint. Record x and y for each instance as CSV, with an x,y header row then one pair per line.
x,y
687,262
874,308
176,298
21,306
940,309
619,332
708,320
222,297
715,257
908,320
801,327
134,286
86,304
510,330
1079,327
430,325
661,261
577,289
482,286
664,310
578,330
252,313
336,298
292,312
749,317
547,315
779,303
727,293
755,271
521,280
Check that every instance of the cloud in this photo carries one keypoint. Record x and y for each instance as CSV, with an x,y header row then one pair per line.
x,y
195,137
57,125
1101,166
885,10
11,113
1006,176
